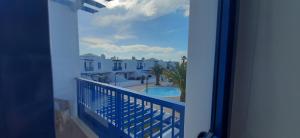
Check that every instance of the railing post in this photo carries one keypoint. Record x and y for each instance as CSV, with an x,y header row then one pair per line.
x,y
161,121
78,97
181,124
118,109
93,99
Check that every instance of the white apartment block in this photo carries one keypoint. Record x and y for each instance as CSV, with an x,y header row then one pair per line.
x,y
102,69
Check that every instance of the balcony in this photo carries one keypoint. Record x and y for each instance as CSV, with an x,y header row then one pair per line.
x,y
117,112
89,68
139,67
117,68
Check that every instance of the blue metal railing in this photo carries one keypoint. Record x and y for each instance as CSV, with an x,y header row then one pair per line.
x,y
126,113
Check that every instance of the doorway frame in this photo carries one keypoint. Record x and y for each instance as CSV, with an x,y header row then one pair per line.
x,y
224,67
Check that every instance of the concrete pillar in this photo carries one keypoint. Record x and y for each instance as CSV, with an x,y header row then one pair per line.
x,y
201,53
64,51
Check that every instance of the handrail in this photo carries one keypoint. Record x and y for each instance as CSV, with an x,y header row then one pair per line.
x,y
133,114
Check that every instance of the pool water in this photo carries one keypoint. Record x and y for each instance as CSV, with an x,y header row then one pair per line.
x,y
163,91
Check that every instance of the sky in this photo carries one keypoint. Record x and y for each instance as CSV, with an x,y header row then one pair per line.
x,y
140,28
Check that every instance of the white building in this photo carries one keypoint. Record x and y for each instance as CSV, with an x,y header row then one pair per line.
x,y
96,67
100,68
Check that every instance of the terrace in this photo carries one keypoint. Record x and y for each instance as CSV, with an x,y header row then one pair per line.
x,y
115,68
117,65
88,65
139,64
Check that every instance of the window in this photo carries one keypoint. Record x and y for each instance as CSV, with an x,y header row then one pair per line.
x,y
99,65
88,66
85,66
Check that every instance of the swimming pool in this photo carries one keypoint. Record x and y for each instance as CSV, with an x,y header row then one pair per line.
x,y
163,91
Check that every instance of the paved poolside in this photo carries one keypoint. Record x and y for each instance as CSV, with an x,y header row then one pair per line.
x,y
141,87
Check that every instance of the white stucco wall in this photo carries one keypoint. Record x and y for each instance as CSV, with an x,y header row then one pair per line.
x,y
201,52
64,51
94,59
131,65
149,64
267,78
107,65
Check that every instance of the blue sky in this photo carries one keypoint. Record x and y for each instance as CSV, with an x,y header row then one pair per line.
x,y
140,28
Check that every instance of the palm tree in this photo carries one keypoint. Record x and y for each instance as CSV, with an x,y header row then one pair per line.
x,y
178,77
157,70
183,58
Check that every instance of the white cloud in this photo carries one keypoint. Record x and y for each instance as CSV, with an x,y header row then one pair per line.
x,y
123,36
126,11
106,47
118,18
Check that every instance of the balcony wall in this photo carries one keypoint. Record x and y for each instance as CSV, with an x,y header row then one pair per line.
x,y
201,52
64,51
